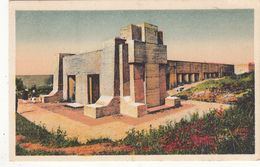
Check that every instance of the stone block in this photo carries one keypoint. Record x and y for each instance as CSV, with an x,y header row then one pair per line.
x,y
160,37
136,51
105,106
130,108
172,101
156,53
131,32
53,96
136,33
149,33
152,97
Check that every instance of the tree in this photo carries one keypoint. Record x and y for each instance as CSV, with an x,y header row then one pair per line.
x,y
19,84
49,80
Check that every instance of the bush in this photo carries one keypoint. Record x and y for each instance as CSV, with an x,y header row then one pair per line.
x,y
234,133
41,90
21,151
99,140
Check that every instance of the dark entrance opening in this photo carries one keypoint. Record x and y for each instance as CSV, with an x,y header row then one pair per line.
x,y
71,88
93,88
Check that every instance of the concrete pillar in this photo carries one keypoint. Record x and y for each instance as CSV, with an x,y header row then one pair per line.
x,y
162,80
179,78
137,83
152,79
124,71
210,75
205,76
186,78
213,75
192,78
201,76
121,70
131,81
173,80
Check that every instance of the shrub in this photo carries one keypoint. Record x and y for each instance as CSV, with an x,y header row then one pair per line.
x,y
21,151
99,140
234,133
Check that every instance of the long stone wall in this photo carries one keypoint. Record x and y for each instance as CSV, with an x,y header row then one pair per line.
x,y
181,72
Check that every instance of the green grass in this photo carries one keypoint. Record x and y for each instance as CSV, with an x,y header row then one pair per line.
x,y
237,85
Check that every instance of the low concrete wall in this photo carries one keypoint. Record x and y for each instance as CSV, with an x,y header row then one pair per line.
x,y
105,106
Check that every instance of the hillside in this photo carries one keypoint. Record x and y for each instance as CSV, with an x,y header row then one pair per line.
x,y
227,90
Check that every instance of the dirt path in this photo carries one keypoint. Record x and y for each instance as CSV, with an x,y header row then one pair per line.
x,y
114,127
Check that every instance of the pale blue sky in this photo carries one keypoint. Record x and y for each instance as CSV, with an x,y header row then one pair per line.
x,y
208,32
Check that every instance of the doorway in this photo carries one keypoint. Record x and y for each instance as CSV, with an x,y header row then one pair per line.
x,y
93,88
71,88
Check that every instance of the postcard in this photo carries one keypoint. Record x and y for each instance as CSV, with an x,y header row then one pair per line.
x,y
173,80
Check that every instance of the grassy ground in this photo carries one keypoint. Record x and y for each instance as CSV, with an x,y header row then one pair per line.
x,y
226,90
219,132
39,134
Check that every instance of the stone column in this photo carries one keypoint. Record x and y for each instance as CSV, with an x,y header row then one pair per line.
x,y
179,78
213,75
192,78
152,84
162,82
121,70
205,76
210,75
173,80
186,78
201,76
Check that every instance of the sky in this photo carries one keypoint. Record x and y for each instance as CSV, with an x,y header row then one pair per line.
x,y
220,36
